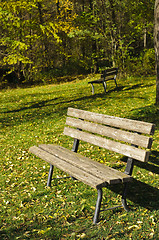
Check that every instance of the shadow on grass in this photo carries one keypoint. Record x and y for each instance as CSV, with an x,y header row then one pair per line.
x,y
144,195
154,159
41,104
84,102
30,232
148,114
127,87
140,194
27,233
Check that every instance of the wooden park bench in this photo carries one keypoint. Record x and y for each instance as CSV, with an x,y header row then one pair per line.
x,y
107,75
124,136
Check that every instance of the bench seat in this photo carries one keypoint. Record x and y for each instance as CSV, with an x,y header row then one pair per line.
x,y
90,172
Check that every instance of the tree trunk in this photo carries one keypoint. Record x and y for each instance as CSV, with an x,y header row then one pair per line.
x,y
113,30
145,37
156,40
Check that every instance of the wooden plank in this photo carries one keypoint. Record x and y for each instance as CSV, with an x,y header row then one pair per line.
x,y
132,125
107,74
105,173
79,174
65,166
129,137
111,69
129,151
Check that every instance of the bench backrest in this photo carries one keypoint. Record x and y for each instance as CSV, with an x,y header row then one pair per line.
x,y
128,137
109,72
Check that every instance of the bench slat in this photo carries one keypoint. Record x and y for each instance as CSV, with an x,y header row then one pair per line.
x,y
107,74
129,151
101,80
129,137
61,159
107,79
132,125
111,70
66,167
105,173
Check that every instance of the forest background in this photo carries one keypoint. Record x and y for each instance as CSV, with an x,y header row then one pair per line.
x,y
43,40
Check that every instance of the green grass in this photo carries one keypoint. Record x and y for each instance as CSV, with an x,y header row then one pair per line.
x,y
30,210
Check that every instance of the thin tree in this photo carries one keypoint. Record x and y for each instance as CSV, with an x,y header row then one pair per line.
x,y
156,41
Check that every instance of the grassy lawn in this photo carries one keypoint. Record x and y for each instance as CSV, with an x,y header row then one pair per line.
x,y
29,209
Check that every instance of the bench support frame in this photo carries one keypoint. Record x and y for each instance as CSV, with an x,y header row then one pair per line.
x,y
104,78
128,170
98,205
123,200
50,175
92,88
105,86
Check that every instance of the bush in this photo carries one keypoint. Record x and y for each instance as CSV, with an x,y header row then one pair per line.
x,y
142,65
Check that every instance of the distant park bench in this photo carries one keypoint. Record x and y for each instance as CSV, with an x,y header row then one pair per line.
x,y
107,75
124,136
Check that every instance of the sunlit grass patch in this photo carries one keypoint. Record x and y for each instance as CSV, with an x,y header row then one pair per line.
x,y
30,210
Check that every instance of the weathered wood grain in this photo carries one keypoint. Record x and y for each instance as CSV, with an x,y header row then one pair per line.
x,y
110,73
132,125
129,151
82,168
117,134
66,167
97,169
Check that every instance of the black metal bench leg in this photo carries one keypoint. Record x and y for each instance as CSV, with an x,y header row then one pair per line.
x,y
128,171
124,203
92,88
105,86
115,82
50,175
98,205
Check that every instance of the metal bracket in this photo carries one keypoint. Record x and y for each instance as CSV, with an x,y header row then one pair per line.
x,y
75,145
129,166
111,208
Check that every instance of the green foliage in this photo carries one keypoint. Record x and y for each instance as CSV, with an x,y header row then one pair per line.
x,y
149,61
31,33
74,37
142,65
30,210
